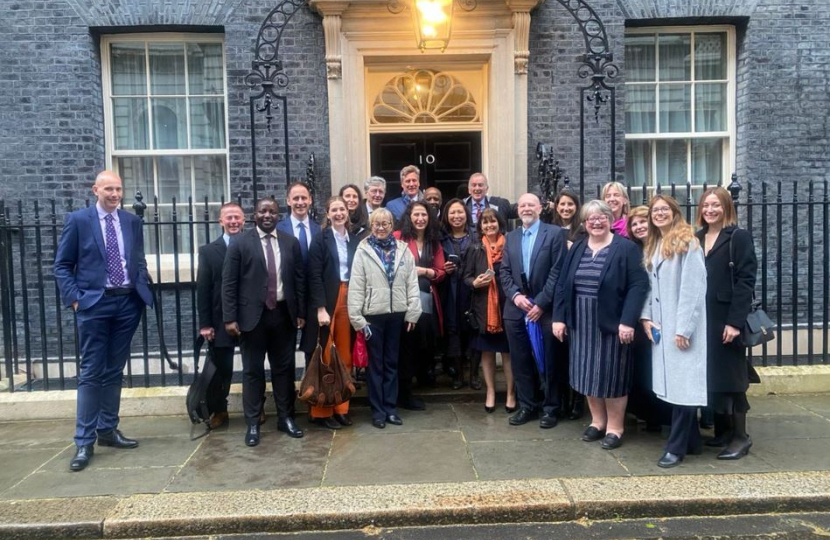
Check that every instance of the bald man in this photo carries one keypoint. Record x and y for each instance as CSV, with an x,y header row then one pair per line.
x,y
102,275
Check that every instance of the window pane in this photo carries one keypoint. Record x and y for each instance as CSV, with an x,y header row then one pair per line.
x,y
129,117
710,56
675,108
167,230
671,162
638,163
167,68
137,175
204,68
639,58
128,69
207,122
213,231
675,57
710,107
211,178
169,123
173,179
707,161
640,109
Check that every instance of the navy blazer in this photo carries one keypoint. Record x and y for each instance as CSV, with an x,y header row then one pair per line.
x,y
545,264
284,225
81,258
324,270
623,286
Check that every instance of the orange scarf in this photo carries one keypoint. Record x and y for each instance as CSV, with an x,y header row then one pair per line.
x,y
494,255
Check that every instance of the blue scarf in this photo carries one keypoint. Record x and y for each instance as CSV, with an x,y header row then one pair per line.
x,y
386,251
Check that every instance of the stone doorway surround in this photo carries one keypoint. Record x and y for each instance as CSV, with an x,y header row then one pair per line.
x,y
363,33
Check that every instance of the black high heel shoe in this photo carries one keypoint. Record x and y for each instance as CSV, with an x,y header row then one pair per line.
x,y
489,410
511,410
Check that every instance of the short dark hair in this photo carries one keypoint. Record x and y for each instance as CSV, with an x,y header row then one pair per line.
x,y
490,212
269,199
298,183
445,222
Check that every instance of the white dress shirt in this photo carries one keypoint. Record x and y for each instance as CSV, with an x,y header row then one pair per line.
x,y
296,229
342,253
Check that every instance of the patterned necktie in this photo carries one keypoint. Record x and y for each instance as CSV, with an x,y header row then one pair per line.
x,y
303,243
115,271
271,290
477,212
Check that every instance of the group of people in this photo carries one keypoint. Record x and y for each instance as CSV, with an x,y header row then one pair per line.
x,y
596,303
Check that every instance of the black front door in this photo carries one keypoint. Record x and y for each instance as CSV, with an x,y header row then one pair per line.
x,y
446,160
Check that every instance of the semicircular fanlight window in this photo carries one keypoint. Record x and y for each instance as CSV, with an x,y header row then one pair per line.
x,y
424,97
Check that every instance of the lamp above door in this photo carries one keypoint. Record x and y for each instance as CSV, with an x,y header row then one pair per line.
x,y
432,19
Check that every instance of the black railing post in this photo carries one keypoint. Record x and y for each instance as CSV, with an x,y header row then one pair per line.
x,y
735,190
140,207
5,300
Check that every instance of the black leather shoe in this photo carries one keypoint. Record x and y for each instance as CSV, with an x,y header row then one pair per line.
x,y
593,434
82,456
342,419
489,410
287,425
457,383
510,410
721,440
116,439
611,441
577,412
380,424
329,423
413,404
736,452
394,419
523,417
475,382
548,421
669,460
252,435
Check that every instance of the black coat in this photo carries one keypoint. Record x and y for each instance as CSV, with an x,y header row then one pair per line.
x,y
245,279
209,291
623,286
475,264
324,271
455,295
728,303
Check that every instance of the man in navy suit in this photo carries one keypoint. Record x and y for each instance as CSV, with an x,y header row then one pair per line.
x,y
101,272
411,191
303,228
209,302
478,187
529,272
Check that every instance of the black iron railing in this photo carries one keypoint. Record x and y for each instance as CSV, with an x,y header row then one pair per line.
x,y
39,341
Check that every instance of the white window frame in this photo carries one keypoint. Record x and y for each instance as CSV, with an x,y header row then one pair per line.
x,y
728,135
166,270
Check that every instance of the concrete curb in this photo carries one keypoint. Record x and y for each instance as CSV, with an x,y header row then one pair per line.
x,y
161,401
331,508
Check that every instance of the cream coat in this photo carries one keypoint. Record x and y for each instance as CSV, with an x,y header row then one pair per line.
x,y
677,304
369,290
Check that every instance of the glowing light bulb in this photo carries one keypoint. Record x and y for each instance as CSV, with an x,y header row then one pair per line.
x,y
431,11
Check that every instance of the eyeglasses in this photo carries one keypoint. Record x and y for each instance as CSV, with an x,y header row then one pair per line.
x,y
597,219
661,210
381,225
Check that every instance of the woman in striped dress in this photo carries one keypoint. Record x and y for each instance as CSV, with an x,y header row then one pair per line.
x,y
603,269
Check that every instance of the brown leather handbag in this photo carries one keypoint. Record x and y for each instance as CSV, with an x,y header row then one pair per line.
x,y
326,385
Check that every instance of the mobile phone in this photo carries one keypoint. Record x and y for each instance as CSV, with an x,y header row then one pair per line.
x,y
655,334
489,272
455,259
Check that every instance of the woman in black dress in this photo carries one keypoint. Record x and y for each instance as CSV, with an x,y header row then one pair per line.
x,y
481,271
731,268
599,297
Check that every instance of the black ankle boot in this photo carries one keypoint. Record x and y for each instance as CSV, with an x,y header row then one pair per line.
x,y
741,443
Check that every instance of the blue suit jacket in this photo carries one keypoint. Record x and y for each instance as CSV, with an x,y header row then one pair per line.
x,y
545,264
81,260
285,226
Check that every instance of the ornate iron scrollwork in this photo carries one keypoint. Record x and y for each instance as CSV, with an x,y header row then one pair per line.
x,y
598,60
550,174
267,72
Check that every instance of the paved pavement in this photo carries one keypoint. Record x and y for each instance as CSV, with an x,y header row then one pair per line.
x,y
448,443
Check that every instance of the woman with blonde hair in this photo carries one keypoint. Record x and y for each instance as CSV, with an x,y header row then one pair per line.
x,y
731,266
674,319
616,197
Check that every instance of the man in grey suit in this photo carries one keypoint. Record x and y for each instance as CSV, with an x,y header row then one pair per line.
x,y
263,301
534,254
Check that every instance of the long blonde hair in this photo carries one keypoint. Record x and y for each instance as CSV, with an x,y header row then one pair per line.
x,y
677,241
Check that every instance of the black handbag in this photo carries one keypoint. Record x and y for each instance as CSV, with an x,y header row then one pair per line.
x,y
196,400
758,328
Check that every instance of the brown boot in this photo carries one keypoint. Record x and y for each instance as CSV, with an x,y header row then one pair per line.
x,y
218,420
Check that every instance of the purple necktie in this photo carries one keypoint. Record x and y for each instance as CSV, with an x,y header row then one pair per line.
x,y
271,290
114,269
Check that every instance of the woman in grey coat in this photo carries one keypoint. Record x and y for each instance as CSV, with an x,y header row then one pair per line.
x,y
674,319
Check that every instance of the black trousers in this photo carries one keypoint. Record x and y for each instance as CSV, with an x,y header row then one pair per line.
x,y
684,435
383,347
533,391
220,386
273,335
